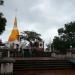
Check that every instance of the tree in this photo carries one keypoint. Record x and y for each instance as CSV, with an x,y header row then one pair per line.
x,y
65,39
59,45
68,34
1,2
2,20
2,23
30,36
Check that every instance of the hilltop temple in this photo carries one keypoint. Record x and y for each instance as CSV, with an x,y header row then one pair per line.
x,y
14,38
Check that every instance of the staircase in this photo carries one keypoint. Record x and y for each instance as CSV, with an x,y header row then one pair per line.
x,y
41,64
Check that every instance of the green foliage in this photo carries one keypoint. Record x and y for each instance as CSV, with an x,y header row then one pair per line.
x,y
60,31
2,23
2,20
1,2
30,36
65,38
68,34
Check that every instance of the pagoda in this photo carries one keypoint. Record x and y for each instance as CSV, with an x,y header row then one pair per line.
x,y
15,33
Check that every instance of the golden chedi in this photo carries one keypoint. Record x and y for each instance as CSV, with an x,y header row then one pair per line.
x,y
15,32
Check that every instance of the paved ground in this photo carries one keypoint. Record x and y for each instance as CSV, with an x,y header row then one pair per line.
x,y
47,72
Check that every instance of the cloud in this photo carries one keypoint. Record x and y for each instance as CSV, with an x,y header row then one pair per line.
x,y
42,16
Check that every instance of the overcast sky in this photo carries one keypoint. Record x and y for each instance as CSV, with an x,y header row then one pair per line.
x,y
42,16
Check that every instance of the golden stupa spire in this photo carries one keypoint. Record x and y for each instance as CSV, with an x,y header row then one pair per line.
x,y
15,32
